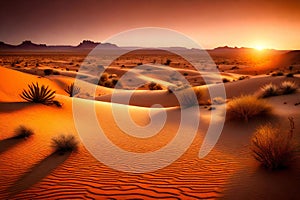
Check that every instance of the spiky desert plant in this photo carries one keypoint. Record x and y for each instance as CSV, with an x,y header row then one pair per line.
x,y
288,87
188,97
23,132
64,143
38,94
269,90
273,148
72,90
247,107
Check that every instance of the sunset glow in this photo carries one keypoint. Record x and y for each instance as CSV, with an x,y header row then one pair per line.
x,y
210,23
259,47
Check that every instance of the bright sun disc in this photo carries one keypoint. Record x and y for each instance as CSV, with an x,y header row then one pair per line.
x,y
259,47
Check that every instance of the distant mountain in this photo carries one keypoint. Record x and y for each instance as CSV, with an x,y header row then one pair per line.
x,y
28,45
87,44
5,46
227,48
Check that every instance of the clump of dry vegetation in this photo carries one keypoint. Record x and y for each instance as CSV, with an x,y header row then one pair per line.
x,y
38,94
225,80
48,72
72,90
108,80
64,143
154,86
288,87
189,97
217,101
247,107
279,73
177,87
290,75
269,90
22,132
273,148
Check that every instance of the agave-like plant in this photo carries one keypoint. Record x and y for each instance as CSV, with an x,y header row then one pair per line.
x,y
72,90
38,94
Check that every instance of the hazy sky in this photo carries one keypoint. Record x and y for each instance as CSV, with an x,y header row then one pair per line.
x,y
211,23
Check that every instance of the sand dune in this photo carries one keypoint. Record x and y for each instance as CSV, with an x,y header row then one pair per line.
x,y
228,171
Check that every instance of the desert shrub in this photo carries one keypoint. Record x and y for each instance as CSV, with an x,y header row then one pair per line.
x,y
277,73
108,83
247,107
234,67
48,72
56,73
72,90
288,87
115,81
218,101
64,143
168,62
108,80
23,132
104,77
186,97
113,76
243,77
38,94
274,149
177,87
269,90
225,80
290,75
154,86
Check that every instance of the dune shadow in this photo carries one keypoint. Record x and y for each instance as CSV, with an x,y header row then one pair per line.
x,y
13,106
263,184
38,172
9,143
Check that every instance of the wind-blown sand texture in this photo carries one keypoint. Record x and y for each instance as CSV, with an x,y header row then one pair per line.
x,y
30,170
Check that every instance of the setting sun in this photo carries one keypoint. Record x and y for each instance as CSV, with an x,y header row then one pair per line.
x,y
259,47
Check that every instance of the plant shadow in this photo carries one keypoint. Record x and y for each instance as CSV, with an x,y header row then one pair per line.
x,y
6,107
38,172
6,144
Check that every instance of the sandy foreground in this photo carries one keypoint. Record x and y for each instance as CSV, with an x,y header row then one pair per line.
x,y
30,170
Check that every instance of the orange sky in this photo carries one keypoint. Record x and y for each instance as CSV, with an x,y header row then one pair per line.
x,y
211,23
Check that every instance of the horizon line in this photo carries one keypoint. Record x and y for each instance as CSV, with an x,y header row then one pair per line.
x,y
135,46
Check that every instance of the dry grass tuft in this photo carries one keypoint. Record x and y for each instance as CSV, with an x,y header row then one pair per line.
x,y
189,97
288,87
247,107
23,132
269,90
64,143
154,86
273,148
